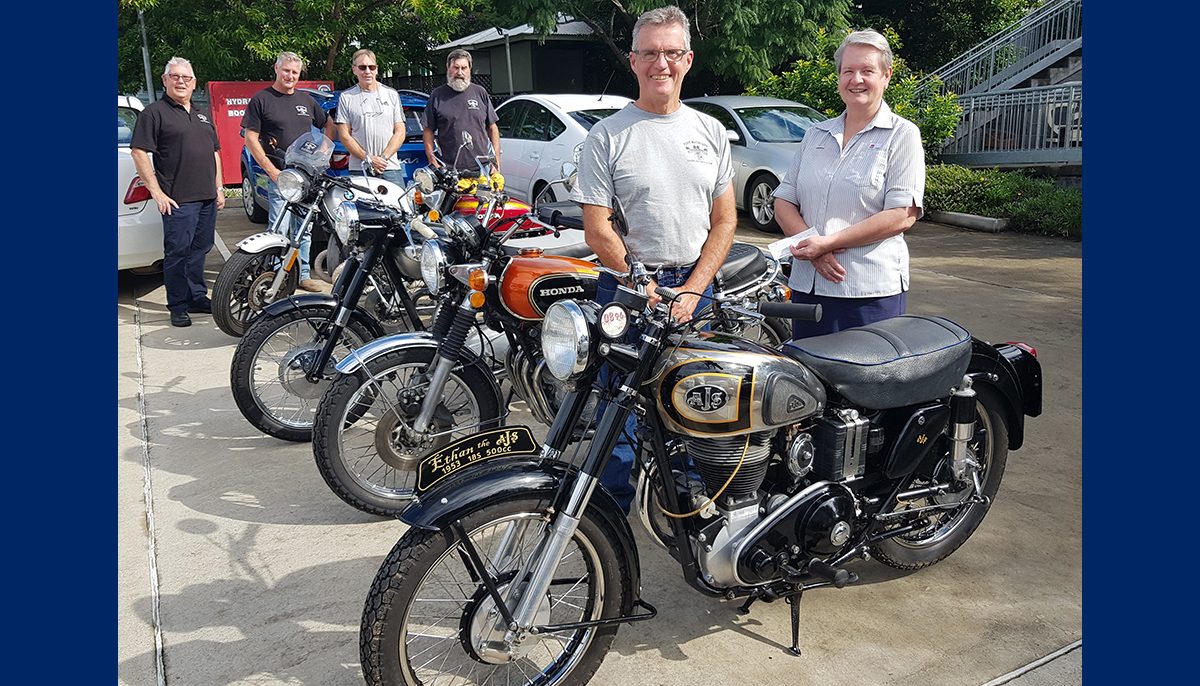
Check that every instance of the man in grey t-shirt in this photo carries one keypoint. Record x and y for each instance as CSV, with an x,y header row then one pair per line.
x,y
669,166
370,121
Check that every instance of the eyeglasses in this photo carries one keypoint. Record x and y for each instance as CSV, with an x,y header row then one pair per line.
x,y
652,55
366,67
180,77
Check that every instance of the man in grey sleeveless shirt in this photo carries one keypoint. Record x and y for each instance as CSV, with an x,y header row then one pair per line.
x,y
670,168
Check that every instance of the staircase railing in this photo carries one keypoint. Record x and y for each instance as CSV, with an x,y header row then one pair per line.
x,y
1028,39
1032,126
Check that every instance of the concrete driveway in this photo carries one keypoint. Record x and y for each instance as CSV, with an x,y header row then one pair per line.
x,y
237,565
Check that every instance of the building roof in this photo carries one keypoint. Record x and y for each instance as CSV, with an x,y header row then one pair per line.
x,y
565,28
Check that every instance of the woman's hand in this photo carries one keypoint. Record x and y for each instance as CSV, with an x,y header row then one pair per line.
x,y
812,248
829,268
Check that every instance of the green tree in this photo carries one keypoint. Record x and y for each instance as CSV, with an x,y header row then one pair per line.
x,y
735,40
239,39
940,30
814,82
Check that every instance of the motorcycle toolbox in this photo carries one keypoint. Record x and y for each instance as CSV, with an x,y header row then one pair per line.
x,y
891,363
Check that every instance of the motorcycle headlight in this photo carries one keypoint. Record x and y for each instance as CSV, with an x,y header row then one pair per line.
x,y
433,266
292,185
566,339
423,177
345,216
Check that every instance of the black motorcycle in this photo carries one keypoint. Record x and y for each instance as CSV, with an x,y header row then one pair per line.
x,y
763,472
283,363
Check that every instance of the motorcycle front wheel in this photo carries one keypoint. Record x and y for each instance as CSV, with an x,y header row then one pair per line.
x,y
239,292
268,372
362,440
945,531
429,617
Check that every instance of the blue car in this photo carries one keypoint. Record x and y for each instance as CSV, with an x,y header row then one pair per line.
x,y
412,152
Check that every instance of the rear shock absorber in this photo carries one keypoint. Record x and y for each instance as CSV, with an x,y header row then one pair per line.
x,y
962,426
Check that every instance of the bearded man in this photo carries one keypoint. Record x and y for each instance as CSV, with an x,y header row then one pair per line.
x,y
454,108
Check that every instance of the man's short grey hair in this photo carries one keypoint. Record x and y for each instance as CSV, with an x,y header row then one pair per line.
x,y
661,16
289,57
870,38
458,54
176,62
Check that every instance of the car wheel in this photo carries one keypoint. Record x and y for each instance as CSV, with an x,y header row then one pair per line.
x,y
254,213
759,203
538,188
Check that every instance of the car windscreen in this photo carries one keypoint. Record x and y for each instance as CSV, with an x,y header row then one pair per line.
x,y
588,118
126,118
779,124
413,128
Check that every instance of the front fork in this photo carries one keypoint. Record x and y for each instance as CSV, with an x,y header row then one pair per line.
x,y
355,270
293,251
447,358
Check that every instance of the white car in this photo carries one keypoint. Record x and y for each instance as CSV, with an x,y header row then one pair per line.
x,y
139,225
764,135
540,132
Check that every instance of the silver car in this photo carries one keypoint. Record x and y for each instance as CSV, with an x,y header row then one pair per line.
x,y
765,135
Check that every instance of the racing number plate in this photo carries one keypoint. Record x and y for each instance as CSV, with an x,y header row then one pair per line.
x,y
509,440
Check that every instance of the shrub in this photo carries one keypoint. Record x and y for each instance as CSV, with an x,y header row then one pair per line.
x,y
815,83
1032,205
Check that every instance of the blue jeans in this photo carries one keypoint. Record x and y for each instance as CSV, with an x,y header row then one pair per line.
x,y
617,473
187,238
275,205
844,313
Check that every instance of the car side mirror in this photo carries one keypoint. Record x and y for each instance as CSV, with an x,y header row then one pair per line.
x,y
733,136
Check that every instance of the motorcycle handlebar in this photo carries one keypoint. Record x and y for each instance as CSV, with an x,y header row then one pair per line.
x,y
802,311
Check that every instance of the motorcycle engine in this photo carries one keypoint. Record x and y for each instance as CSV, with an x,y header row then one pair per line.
x,y
717,458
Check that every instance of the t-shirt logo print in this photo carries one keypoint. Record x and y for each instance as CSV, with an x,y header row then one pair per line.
x,y
697,151
302,110
472,104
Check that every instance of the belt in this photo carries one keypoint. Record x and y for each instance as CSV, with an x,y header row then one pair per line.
x,y
665,267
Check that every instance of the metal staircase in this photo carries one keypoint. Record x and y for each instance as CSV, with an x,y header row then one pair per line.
x,y
1021,92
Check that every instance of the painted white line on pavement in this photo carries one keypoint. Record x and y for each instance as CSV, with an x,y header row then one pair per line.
x,y
1034,665
221,246
148,496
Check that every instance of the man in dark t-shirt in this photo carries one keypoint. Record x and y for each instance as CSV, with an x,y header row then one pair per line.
x,y
460,106
275,117
184,179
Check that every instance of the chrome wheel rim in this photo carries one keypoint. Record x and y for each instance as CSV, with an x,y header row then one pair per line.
x,y
247,196
277,379
763,204
443,628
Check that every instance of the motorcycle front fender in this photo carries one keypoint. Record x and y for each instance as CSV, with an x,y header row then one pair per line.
x,y
296,302
262,242
478,487
382,346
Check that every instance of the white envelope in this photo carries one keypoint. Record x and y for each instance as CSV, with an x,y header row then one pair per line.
x,y
780,248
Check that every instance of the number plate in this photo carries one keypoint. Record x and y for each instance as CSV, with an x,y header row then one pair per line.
x,y
509,440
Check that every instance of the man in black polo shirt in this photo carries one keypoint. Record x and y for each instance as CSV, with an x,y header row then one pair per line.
x,y
457,106
185,181
275,117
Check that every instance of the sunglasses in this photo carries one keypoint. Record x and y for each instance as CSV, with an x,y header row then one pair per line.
x,y
366,67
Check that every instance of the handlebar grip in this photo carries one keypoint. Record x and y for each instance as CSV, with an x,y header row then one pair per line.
x,y
666,293
419,227
803,311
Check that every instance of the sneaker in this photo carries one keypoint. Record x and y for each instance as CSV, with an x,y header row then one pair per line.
x,y
200,306
311,285
180,319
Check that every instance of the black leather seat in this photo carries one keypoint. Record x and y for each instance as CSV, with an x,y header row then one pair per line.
x,y
891,363
744,263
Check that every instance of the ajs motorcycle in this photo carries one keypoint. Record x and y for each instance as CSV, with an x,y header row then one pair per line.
x,y
400,397
265,267
885,441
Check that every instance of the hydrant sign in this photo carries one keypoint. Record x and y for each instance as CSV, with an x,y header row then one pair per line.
x,y
228,100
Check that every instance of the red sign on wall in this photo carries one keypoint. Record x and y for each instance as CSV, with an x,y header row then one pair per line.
x,y
228,100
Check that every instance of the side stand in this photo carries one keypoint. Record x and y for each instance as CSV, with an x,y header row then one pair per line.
x,y
794,601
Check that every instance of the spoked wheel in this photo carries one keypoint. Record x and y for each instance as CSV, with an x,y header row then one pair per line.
x,y
945,530
240,291
363,439
429,618
268,373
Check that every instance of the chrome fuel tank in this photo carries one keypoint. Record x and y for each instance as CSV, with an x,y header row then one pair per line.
x,y
718,385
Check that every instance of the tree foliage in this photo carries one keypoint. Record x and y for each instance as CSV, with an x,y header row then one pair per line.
x,y
814,82
735,40
940,30
233,40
